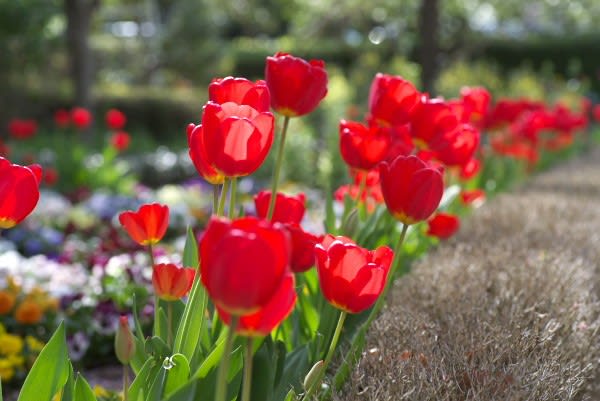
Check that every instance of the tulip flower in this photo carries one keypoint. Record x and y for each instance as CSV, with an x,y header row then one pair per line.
x,y
351,277
19,191
455,147
115,119
62,118
240,91
120,140
473,197
363,147
124,342
303,246
443,225
412,190
22,129
432,120
262,322
392,100
288,209
243,262
470,169
172,282
148,225
199,157
296,85
81,117
236,138
476,101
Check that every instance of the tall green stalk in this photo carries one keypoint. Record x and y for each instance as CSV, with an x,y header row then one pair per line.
x,y
247,384
221,208
232,195
221,389
278,163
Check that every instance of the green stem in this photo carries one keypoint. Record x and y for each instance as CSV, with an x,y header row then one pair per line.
x,y
156,299
360,205
232,194
170,324
247,384
221,389
125,381
278,163
328,357
215,198
221,208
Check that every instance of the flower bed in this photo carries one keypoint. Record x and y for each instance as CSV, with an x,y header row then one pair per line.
x,y
255,299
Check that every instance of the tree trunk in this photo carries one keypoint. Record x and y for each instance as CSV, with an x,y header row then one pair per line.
x,y
428,43
79,16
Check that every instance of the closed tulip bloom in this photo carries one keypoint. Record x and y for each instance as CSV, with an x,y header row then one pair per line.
x,y
363,147
172,282
237,138
432,120
120,140
198,155
115,119
19,191
303,248
262,322
148,225
456,147
81,117
22,129
470,169
124,341
296,85
243,262
240,91
288,208
476,101
412,190
392,100
443,225
351,277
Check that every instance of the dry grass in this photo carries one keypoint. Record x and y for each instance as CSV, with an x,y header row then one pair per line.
x,y
507,310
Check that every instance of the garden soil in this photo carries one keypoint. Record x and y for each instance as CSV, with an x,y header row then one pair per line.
x,y
506,310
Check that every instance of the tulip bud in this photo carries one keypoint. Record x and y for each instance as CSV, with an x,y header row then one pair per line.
x,y
124,342
314,375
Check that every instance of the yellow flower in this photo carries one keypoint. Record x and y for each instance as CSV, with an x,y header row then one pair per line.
x,y
7,371
10,344
100,391
16,360
2,329
33,344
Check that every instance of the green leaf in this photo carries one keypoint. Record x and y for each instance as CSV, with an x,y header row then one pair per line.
x,y
329,214
83,391
296,367
140,383
213,358
50,370
158,384
178,373
192,323
264,370
67,391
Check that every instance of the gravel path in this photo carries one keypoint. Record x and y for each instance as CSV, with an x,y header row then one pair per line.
x,y
506,310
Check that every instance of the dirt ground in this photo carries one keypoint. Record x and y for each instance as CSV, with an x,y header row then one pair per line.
x,y
506,310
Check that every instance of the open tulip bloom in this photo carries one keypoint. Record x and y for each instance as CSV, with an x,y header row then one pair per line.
x,y
148,225
19,191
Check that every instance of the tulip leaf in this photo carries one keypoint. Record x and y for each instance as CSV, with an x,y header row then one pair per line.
x,y
192,323
329,214
264,371
297,365
158,348
178,373
213,358
291,396
67,391
50,371
185,393
83,391
140,383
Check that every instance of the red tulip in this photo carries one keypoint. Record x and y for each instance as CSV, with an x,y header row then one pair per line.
x,y
303,248
470,169
473,197
198,155
50,176
351,277
412,190
120,140
240,91
296,85
455,147
81,117
19,191
62,118
148,225
432,120
124,341
243,263
402,143
266,319
443,225
22,129
172,282
392,100
476,101
596,113
237,138
363,147
115,119
288,209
